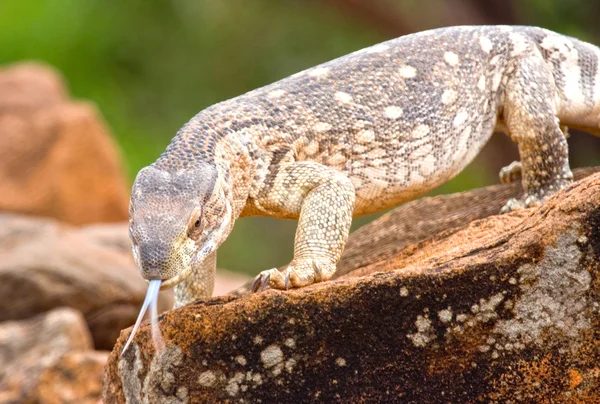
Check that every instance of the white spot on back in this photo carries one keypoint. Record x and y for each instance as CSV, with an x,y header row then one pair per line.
x,y
520,44
377,48
365,136
275,93
343,97
449,96
321,127
408,71
318,72
451,58
419,132
428,165
460,118
393,112
485,43
555,43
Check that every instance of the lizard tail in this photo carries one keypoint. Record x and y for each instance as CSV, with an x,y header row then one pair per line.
x,y
151,299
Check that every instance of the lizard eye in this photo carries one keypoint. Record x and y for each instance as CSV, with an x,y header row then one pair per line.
x,y
195,225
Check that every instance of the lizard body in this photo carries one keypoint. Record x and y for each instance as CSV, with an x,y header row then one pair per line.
x,y
356,135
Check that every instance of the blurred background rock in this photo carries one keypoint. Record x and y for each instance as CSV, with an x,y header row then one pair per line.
x,y
93,90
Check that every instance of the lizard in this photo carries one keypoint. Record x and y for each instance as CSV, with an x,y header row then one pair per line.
x,y
356,135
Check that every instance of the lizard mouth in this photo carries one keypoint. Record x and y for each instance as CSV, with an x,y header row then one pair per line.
x,y
169,283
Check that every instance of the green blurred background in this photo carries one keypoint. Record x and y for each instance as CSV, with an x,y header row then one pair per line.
x,y
151,65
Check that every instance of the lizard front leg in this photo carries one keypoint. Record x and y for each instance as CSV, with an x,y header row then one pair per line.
x,y
198,284
323,199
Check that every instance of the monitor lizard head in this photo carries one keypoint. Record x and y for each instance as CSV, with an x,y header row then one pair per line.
x,y
176,219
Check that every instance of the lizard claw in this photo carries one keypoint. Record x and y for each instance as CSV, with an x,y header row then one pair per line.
x,y
296,275
256,284
265,281
287,279
261,282
318,271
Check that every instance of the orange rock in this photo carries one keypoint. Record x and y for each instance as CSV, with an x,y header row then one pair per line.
x,y
57,158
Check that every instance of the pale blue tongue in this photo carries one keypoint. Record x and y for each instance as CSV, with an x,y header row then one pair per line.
x,y
151,298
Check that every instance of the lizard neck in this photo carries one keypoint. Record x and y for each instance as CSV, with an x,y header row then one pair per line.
x,y
212,138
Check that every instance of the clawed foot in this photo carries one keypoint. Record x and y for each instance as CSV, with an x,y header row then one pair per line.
x,y
534,198
511,173
516,204
297,274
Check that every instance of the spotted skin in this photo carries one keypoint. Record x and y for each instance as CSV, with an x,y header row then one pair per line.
x,y
357,135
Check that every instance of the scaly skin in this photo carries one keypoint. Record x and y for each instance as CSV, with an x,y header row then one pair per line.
x,y
358,135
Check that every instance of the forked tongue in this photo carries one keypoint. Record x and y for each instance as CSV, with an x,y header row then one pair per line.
x,y
151,299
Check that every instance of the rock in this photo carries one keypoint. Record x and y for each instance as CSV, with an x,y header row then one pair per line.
x,y
47,359
75,378
47,335
57,158
500,309
46,264
30,86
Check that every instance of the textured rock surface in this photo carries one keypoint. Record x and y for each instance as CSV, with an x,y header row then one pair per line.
x,y
503,309
45,264
56,156
74,378
48,359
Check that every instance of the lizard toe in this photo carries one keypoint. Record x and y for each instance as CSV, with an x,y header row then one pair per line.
x,y
302,273
266,279
297,274
511,173
512,205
